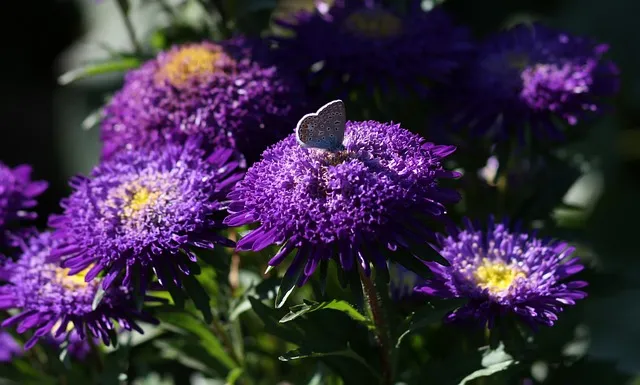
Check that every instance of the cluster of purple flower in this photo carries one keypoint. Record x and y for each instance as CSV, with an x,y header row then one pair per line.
x,y
180,132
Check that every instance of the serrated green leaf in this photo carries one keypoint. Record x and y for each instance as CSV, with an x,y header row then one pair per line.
x,y
268,316
207,338
306,353
310,306
110,66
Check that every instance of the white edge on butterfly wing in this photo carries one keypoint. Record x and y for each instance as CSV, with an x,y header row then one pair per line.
x,y
331,103
320,110
300,142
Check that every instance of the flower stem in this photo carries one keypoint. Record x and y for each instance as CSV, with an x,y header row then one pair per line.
x,y
124,12
226,341
377,313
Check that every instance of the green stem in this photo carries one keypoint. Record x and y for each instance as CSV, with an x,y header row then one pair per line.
x,y
383,336
124,12
226,341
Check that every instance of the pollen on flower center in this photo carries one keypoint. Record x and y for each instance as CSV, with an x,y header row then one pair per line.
x,y
496,276
72,282
140,200
373,23
191,63
136,199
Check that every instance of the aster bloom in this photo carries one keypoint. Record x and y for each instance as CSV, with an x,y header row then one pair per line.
x,y
502,271
142,211
352,205
9,348
362,44
531,77
18,195
226,91
50,301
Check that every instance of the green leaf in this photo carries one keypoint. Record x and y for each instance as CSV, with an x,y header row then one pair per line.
x,y
288,284
426,316
208,340
199,296
493,361
486,371
97,298
311,306
233,376
113,65
92,119
306,353
266,289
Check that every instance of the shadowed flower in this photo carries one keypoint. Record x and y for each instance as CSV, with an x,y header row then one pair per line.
x,y
353,205
78,348
141,212
223,90
18,195
52,302
353,44
504,271
9,348
531,76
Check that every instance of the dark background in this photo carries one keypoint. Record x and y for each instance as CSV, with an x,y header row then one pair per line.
x,y
40,123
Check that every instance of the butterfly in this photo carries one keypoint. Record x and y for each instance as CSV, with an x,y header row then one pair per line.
x,y
323,129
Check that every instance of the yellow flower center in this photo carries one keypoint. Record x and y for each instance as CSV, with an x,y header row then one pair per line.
x,y
140,199
373,23
72,282
191,63
496,276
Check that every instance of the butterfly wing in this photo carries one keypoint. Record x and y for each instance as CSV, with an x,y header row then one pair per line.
x,y
307,130
323,129
333,116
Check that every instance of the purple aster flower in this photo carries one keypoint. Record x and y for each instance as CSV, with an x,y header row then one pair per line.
x,y
504,271
226,91
363,44
352,205
531,76
9,348
143,210
18,195
51,301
